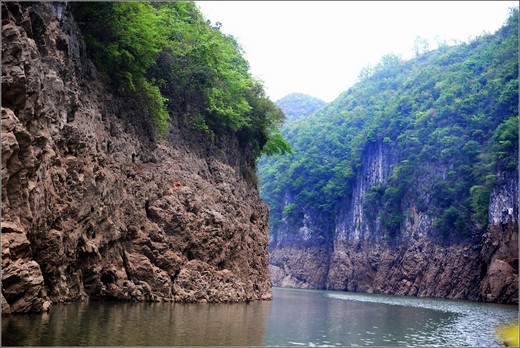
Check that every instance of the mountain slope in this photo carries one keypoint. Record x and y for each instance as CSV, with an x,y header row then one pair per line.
x,y
409,164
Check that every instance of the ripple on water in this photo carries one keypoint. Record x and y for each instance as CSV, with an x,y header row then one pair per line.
x,y
471,323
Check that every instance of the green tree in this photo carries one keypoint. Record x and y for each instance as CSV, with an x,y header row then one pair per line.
x,y
170,57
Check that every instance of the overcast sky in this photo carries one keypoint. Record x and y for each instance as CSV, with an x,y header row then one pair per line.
x,y
319,47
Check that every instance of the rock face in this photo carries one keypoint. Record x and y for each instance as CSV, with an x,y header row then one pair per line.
x,y
93,206
353,254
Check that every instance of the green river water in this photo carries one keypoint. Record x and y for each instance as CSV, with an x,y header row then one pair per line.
x,y
293,318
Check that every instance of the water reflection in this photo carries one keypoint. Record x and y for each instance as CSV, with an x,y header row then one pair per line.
x,y
293,318
140,324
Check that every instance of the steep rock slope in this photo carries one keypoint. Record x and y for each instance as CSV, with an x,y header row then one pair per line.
x,y
94,207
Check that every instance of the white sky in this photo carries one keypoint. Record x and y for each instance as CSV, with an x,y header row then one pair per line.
x,y
319,47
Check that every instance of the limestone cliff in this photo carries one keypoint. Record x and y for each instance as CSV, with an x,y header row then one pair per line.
x,y
93,207
418,262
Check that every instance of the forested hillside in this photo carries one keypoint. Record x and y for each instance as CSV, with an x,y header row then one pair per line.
x,y
449,118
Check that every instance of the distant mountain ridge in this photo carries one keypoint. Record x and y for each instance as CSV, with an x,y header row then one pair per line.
x,y
297,105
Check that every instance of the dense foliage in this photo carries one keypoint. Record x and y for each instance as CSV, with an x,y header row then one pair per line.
x,y
177,63
449,116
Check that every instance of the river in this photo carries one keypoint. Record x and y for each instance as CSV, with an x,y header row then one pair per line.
x,y
293,318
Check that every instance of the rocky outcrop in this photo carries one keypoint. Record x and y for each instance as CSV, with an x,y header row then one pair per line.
x,y
300,267
499,251
421,268
418,262
93,206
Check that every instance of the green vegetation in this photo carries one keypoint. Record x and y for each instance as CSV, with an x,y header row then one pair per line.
x,y
176,63
449,117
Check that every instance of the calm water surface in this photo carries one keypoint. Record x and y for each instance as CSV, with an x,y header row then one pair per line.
x,y
293,318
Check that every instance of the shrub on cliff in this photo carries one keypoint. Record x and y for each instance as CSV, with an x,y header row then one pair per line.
x,y
170,56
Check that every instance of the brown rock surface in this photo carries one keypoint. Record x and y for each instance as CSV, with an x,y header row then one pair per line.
x,y
297,267
93,206
420,268
500,264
